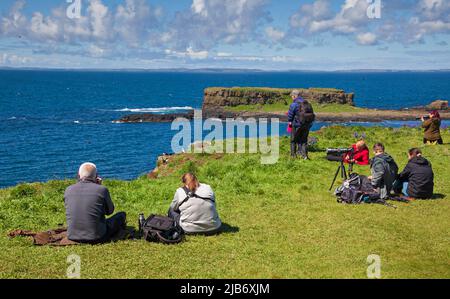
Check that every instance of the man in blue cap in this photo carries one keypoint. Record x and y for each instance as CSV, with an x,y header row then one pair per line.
x,y
300,118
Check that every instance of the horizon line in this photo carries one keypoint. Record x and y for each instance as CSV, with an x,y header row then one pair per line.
x,y
182,69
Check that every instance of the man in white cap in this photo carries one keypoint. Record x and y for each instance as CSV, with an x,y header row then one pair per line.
x,y
87,203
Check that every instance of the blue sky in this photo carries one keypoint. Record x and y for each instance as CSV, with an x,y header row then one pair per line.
x,y
262,34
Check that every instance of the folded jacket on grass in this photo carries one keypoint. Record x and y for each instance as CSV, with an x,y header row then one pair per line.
x,y
58,237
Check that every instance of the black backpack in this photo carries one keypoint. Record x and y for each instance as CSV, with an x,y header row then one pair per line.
x,y
161,229
357,189
305,113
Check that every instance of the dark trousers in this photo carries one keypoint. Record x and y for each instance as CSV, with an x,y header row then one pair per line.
x,y
114,224
299,140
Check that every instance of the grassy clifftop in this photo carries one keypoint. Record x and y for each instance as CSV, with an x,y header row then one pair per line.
x,y
282,220
269,89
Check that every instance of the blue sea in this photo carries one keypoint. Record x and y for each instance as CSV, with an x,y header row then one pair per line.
x,y
52,121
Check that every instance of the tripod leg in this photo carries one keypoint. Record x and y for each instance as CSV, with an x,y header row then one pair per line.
x,y
344,172
334,180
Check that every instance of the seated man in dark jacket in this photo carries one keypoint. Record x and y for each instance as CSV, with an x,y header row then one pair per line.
x,y
384,171
87,203
417,179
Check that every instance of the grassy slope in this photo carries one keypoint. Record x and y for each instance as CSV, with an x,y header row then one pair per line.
x,y
289,225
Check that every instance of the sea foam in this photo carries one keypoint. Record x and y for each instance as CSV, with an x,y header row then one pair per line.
x,y
155,110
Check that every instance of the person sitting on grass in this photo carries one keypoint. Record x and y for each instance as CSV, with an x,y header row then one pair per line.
x,y
194,207
383,171
417,179
360,154
87,203
432,134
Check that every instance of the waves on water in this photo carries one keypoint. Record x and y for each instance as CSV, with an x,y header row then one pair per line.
x,y
155,110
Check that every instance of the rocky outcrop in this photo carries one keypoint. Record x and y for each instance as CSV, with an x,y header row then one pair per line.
x,y
152,117
216,97
438,105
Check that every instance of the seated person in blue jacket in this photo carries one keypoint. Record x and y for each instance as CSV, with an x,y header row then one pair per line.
x,y
87,203
417,179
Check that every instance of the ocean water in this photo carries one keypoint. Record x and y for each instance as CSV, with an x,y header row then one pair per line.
x,y
51,121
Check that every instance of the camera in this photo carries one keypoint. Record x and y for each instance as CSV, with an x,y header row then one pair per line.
x,y
337,154
338,151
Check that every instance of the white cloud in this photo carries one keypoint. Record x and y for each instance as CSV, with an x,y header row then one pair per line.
x,y
15,22
45,28
199,7
208,23
274,34
135,19
96,51
130,23
12,59
224,54
353,15
426,18
100,19
189,53
366,39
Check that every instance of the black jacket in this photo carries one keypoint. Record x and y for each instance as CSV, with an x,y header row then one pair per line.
x,y
419,175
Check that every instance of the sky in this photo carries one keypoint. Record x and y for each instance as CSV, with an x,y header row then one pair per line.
x,y
257,34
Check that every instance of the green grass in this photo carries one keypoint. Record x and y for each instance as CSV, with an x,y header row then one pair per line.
x,y
287,225
281,107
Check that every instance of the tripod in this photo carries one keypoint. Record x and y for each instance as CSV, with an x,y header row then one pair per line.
x,y
341,169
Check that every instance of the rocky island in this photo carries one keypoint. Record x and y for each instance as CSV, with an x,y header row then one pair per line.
x,y
261,102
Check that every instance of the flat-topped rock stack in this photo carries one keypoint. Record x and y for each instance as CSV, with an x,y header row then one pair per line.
x,y
217,97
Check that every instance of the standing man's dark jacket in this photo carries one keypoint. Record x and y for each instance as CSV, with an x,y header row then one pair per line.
x,y
384,172
87,204
419,175
300,113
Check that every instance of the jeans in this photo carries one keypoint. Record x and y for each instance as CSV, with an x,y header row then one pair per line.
x,y
405,189
401,187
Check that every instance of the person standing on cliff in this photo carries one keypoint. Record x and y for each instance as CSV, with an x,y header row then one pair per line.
x,y
432,128
300,117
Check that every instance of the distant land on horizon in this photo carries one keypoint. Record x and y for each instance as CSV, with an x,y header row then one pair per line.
x,y
220,70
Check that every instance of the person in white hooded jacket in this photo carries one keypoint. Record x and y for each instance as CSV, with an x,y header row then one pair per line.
x,y
194,207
